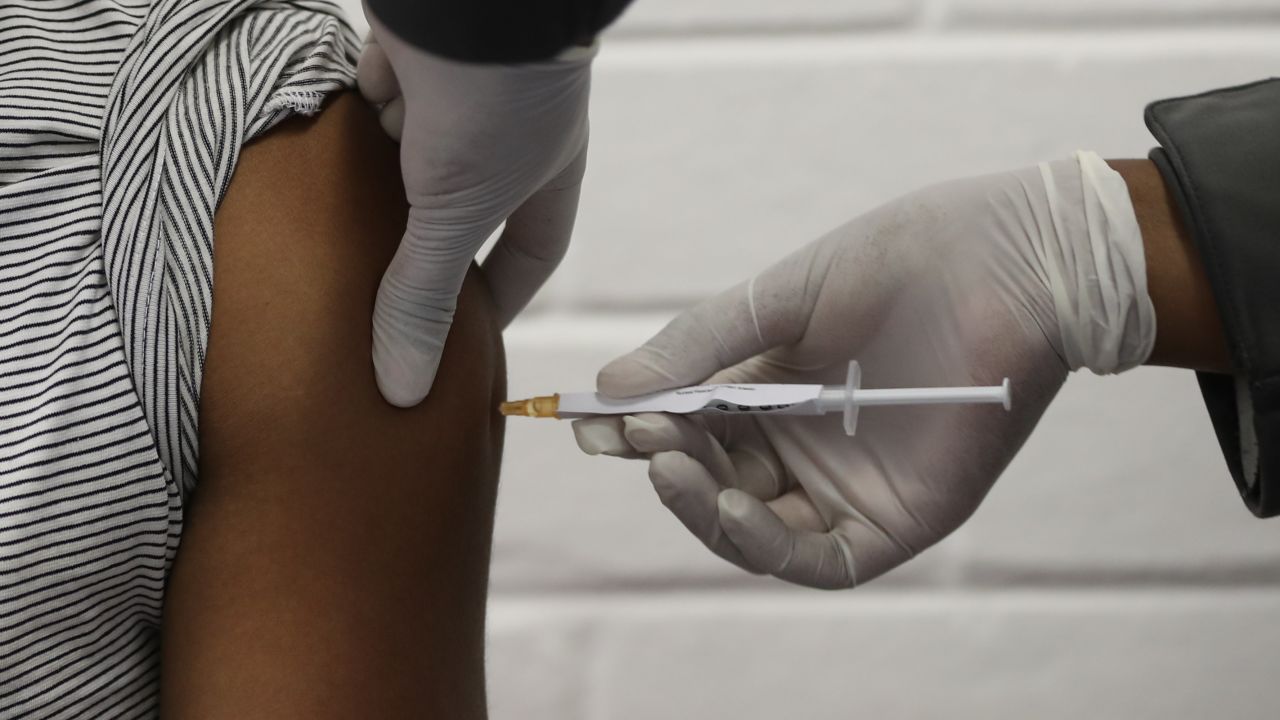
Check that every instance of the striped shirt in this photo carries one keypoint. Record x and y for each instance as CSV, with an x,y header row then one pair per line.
x,y
120,125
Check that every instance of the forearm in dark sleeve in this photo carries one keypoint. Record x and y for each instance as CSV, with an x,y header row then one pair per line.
x,y
497,31
1218,154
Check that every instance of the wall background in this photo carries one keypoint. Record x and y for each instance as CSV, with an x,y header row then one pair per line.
x,y
1112,572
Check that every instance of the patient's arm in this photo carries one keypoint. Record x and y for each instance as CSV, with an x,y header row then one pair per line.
x,y
335,557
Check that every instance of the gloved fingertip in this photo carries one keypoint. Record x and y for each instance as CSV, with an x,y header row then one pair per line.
x,y
613,380
668,470
400,389
689,492
735,503
650,432
391,117
755,474
404,377
375,77
600,436
667,461
761,536
630,375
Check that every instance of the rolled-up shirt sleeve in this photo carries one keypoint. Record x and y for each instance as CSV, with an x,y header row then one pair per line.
x,y
497,31
1220,156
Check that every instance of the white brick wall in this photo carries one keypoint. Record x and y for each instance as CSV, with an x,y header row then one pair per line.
x,y
719,17
1102,655
758,146
1112,572
1102,12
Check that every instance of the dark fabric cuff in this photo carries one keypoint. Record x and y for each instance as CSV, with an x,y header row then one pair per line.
x,y
497,31
1220,155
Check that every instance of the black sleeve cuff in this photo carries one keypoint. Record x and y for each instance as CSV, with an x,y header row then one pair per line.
x,y
1220,156
497,31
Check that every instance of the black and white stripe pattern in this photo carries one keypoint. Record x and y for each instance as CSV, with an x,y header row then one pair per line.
x,y
120,125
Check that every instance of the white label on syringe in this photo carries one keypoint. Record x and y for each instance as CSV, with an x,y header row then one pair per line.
x,y
757,398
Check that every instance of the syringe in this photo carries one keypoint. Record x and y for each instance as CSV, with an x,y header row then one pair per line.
x,y
758,399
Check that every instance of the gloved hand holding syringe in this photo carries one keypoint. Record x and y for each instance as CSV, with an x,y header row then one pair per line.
x,y
1024,275
757,399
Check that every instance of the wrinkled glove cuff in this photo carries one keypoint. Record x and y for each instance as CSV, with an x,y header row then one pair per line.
x,y
1097,267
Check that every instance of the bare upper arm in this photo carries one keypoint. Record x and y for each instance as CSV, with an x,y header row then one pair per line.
x,y
335,556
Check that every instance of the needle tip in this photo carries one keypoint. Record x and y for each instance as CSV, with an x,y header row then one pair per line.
x,y
514,407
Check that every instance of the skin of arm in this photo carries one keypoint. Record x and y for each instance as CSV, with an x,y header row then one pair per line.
x,y
1188,329
334,558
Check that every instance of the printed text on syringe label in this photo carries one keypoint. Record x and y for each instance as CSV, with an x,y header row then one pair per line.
x,y
788,399
729,409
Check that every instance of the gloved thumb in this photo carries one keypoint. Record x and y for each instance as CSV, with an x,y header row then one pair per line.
x,y
749,318
708,337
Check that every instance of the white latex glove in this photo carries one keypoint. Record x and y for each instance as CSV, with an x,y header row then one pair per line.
x,y
479,145
1024,275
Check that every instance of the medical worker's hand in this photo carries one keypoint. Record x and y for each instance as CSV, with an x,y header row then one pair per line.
x,y
479,145
1024,275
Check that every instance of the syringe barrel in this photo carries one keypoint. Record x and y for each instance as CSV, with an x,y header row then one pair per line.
x,y
832,398
930,396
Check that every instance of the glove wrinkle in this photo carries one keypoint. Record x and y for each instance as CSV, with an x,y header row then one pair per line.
x,y
1096,266
905,507
846,556
756,475
755,318
883,532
